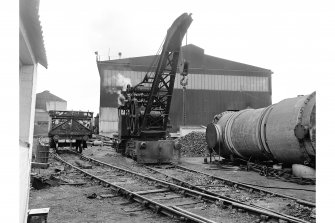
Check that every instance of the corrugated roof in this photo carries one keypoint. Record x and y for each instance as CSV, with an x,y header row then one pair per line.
x,y
30,19
198,61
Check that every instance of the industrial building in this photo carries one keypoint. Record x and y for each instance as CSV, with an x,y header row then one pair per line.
x,y
254,162
45,101
32,53
214,85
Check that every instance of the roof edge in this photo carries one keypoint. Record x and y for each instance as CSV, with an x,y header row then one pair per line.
x,y
29,13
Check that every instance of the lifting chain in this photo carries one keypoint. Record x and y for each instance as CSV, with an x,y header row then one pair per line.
x,y
184,83
184,79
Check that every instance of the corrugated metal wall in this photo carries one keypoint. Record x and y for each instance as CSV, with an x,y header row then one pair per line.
x,y
195,81
108,121
202,105
206,95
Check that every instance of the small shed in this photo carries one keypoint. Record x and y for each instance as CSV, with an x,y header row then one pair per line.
x,y
46,101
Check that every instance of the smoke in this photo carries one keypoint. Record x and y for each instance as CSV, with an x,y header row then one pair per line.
x,y
115,84
121,81
121,99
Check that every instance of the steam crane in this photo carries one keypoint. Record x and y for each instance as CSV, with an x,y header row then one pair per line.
x,y
144,113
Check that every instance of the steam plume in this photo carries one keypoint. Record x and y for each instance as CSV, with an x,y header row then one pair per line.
x,y
121,81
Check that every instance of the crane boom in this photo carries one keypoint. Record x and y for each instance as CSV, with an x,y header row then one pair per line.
x,y
145,112
164,77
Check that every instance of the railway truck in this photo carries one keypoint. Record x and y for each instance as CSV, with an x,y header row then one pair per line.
x,y
70,129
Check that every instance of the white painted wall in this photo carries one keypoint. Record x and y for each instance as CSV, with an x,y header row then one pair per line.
x,y
109,114
108,121
27,99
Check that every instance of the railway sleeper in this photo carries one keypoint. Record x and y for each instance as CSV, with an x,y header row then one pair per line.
x,y
213,199
262,192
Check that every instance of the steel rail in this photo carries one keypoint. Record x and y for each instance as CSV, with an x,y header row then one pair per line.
x,y
250,187
203,196
194,187
157,207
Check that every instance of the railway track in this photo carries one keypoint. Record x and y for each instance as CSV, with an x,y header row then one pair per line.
x,y
232,190
248,187
171,199
113,181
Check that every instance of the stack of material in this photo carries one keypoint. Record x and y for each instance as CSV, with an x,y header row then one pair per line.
x,y
193,145
100,140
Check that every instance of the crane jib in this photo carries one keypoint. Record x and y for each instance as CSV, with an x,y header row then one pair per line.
x,y
144,113
162,86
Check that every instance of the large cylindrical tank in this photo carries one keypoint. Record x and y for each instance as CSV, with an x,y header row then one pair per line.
x,y
284,132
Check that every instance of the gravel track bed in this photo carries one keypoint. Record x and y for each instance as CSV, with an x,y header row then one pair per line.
x,y
282,205
197,206
70,203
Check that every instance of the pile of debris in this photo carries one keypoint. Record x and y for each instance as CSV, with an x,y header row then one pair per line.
x,y
193,145
39,181
100,140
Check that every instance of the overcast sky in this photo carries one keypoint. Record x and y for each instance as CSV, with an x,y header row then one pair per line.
x,y
291,38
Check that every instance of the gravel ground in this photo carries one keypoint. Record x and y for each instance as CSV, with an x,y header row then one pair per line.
x,y
70,203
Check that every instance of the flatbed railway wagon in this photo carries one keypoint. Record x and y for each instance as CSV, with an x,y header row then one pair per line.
x,y
70,129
